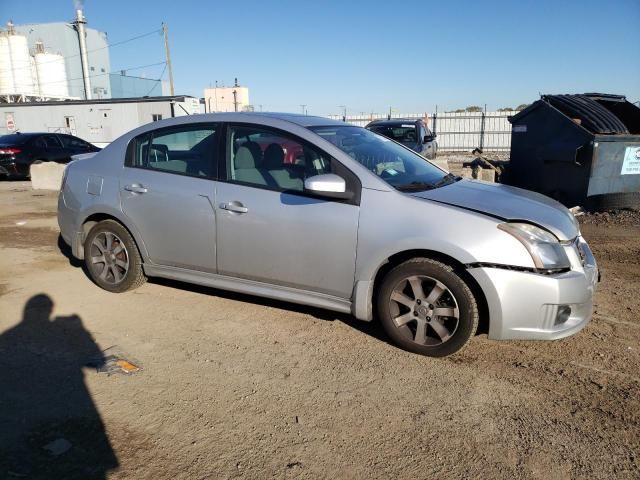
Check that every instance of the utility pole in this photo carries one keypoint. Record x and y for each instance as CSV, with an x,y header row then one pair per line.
x,y
235,95
79,25
165,33
302,106
344,112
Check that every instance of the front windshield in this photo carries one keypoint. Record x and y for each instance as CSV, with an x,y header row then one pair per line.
x,y
403,133
398,166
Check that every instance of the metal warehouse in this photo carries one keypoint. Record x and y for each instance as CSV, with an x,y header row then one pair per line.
x,y
97,121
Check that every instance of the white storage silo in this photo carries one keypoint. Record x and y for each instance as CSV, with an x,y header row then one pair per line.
x,y
51,74
6,72
21,65
34,75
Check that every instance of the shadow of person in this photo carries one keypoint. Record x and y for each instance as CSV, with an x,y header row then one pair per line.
x,y
49,425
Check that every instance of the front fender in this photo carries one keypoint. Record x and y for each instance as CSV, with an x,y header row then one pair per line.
x,y
392,223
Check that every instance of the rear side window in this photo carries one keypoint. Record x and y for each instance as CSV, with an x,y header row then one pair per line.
x,y
73,142
405,133
181,150
51,141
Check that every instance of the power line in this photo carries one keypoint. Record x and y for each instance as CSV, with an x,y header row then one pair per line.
x,y
122,42
158,80
103,74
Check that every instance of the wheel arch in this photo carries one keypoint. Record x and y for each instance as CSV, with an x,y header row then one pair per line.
x,y
402,256
95,217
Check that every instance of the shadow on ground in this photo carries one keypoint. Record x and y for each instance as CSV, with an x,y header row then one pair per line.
x,y
369,328
49,424
66,251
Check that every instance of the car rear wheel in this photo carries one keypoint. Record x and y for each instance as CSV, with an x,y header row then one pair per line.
x,y
426,308
112,258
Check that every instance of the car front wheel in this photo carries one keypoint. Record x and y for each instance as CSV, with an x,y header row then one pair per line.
x,y
426,308
112,258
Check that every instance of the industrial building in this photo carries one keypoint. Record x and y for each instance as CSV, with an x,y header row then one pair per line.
x,y
227,99
56,61
97,121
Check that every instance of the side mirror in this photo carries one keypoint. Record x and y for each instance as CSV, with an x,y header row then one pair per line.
x,y
429,138
328,185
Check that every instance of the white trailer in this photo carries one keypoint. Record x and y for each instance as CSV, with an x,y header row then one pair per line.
x,y
96,121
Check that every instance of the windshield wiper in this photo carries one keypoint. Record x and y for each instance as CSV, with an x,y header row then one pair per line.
x,y
415,186
446,180
420,186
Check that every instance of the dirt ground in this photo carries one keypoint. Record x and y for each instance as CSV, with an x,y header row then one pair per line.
x,y
235,386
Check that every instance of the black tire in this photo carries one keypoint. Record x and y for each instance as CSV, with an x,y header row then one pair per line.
x,y
456,298
110,273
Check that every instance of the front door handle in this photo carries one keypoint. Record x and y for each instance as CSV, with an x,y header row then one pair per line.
x,y
135,188
234,206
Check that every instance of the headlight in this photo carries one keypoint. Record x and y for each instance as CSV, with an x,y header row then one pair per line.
x,y
544,248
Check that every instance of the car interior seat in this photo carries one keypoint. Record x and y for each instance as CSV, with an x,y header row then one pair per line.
x,y
410,136
286,176
157,152
247,167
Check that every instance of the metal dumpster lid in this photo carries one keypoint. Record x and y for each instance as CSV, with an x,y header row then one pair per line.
x,y
594,117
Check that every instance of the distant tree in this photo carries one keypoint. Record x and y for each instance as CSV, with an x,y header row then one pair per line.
x,y
473,108
505,109
522,106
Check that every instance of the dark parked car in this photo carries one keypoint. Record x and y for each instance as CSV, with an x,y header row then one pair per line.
x,y
411,133
19,150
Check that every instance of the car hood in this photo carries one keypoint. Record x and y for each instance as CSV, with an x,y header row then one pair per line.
x,y
507,203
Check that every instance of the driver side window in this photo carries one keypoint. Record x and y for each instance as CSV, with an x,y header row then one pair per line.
x,y
272,159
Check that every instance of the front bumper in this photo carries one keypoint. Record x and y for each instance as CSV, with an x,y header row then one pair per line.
x,y
526,305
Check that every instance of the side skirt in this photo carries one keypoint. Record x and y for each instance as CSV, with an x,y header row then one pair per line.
x,y
251,287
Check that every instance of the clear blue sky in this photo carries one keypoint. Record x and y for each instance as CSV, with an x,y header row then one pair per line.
x,y
369,55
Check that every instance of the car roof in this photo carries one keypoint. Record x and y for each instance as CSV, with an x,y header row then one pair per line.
x,y
297,118
395,121
24,134
19,138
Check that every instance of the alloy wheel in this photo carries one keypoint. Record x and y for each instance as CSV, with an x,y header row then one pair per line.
x,y
424,310
109,258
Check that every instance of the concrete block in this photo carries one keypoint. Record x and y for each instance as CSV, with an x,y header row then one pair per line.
x,y
486,175
442,163
46,175
467,172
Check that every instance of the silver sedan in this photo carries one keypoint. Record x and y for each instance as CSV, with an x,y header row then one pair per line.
x,y
318,212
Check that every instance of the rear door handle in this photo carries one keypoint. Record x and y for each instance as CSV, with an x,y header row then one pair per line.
x,y
135,188
234,206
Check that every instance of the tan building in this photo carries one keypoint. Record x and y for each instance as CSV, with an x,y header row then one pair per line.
x,y
227,99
